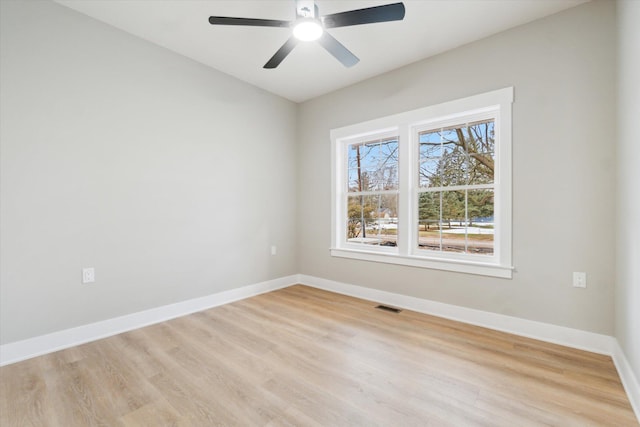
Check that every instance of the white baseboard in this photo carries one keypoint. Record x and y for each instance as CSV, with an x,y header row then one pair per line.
x,y
575,338
629,380
37,346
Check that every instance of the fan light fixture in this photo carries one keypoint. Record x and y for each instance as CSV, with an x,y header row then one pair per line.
x,y
307,30
309,25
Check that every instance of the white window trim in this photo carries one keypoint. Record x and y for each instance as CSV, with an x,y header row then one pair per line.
x,y
404,125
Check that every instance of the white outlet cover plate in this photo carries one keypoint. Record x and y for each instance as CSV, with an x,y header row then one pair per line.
x,y
88,275
579,279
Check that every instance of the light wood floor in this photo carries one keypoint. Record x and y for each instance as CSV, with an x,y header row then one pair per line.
x,y
305,357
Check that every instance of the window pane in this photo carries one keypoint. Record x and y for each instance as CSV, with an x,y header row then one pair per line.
x,y
388,165
354,180
353,156
453,221
453,170
373,219
361,216
480,230
385,225
451,142
369,155
481,137
369,180
481,168
380,179
458,155
354,170
373,166
387,220
429,220
443,161
480,145
361,161
355,217
429,172
430,144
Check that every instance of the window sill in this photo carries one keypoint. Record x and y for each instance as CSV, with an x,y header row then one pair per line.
x,y
482,269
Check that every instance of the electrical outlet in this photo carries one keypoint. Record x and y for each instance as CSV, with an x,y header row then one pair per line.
x,y
579,279
274,250
88,275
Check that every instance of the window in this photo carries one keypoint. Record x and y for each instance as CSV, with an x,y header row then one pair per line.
x,y
427,188
372,191
455,195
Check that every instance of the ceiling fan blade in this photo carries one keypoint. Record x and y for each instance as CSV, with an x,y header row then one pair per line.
x,y
282,53
369,15
251,22
335,48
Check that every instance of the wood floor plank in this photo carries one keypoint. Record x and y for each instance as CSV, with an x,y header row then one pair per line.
x,y
159,413
30,396
305,357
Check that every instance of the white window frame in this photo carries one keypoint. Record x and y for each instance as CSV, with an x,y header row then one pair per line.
x,y
405,125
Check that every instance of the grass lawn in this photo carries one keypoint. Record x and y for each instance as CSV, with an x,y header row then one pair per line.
x,y
435,234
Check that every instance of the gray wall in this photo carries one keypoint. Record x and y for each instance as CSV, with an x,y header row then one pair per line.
x,y
563,69
628,253
170,178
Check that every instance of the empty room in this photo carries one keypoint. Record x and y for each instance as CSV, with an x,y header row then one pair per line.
x,y
319,213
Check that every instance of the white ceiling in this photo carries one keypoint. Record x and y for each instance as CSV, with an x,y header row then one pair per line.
x,y
430,27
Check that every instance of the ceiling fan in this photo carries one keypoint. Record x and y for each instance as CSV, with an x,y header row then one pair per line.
x,y
309,26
